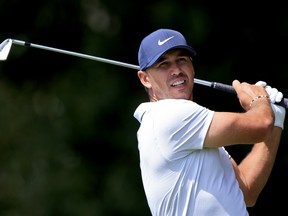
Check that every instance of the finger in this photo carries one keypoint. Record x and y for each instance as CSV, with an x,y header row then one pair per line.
x,y
261,83
268,89
273,95
279,97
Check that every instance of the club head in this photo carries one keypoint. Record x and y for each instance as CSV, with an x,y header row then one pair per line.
x,y
5,47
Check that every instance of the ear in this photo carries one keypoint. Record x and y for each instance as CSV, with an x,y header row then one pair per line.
x,y
144,78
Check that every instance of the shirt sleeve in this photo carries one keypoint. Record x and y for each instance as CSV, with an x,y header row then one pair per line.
x,y
181,127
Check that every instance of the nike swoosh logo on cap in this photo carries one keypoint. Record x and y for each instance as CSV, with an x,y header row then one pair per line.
x,y
160,43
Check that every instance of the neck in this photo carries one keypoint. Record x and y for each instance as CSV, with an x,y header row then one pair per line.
x,y
153,98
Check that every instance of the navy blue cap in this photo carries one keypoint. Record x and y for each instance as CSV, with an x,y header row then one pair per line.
x,y
159,42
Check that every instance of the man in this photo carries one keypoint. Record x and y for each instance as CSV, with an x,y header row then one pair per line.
x,y
184,165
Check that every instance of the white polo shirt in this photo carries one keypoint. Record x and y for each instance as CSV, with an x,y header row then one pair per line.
x,y
180,177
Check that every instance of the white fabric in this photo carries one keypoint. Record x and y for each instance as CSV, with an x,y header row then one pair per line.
x,y
279,112
180,178
275,96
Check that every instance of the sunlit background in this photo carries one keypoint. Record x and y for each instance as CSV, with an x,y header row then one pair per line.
x,y
67,133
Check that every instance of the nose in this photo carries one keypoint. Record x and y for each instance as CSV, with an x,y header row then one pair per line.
x,y
175,70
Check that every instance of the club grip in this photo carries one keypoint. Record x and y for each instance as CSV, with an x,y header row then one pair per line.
x,y
230,89
223,87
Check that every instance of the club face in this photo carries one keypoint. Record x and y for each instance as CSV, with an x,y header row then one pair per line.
x,y
5,47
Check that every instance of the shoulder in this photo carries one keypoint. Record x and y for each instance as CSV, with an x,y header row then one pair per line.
x,y
178,104
171,109
179,107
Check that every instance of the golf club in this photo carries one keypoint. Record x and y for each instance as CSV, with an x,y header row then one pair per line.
x,y
5,47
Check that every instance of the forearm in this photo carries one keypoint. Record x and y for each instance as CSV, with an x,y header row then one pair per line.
x,y
256,167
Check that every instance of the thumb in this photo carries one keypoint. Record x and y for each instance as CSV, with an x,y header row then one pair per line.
x,y
236,85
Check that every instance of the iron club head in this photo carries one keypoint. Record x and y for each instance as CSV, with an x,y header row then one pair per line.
x,y
5,47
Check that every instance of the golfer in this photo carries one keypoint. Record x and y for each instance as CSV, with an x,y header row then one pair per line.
x,y
185,168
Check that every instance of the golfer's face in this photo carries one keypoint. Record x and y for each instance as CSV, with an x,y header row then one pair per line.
x,y
172,77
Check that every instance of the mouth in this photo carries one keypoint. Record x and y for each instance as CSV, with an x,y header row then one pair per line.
x,y
178,83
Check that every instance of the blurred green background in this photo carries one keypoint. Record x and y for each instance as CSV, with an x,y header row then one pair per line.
x,y
67,133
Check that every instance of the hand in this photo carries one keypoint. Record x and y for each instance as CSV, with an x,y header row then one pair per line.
x,y
275,96
248,94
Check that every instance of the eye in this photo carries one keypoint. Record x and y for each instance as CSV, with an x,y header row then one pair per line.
x,y
183,59
162,64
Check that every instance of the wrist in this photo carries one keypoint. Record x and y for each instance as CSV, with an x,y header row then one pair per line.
x,y
257,98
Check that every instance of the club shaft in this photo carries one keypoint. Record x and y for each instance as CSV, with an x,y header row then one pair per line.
x,y
215,85
23,43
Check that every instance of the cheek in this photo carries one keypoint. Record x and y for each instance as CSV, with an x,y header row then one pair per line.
x,y
191,74
193,71
161,82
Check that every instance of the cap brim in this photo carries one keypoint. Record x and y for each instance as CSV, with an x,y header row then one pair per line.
x,y
153,61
